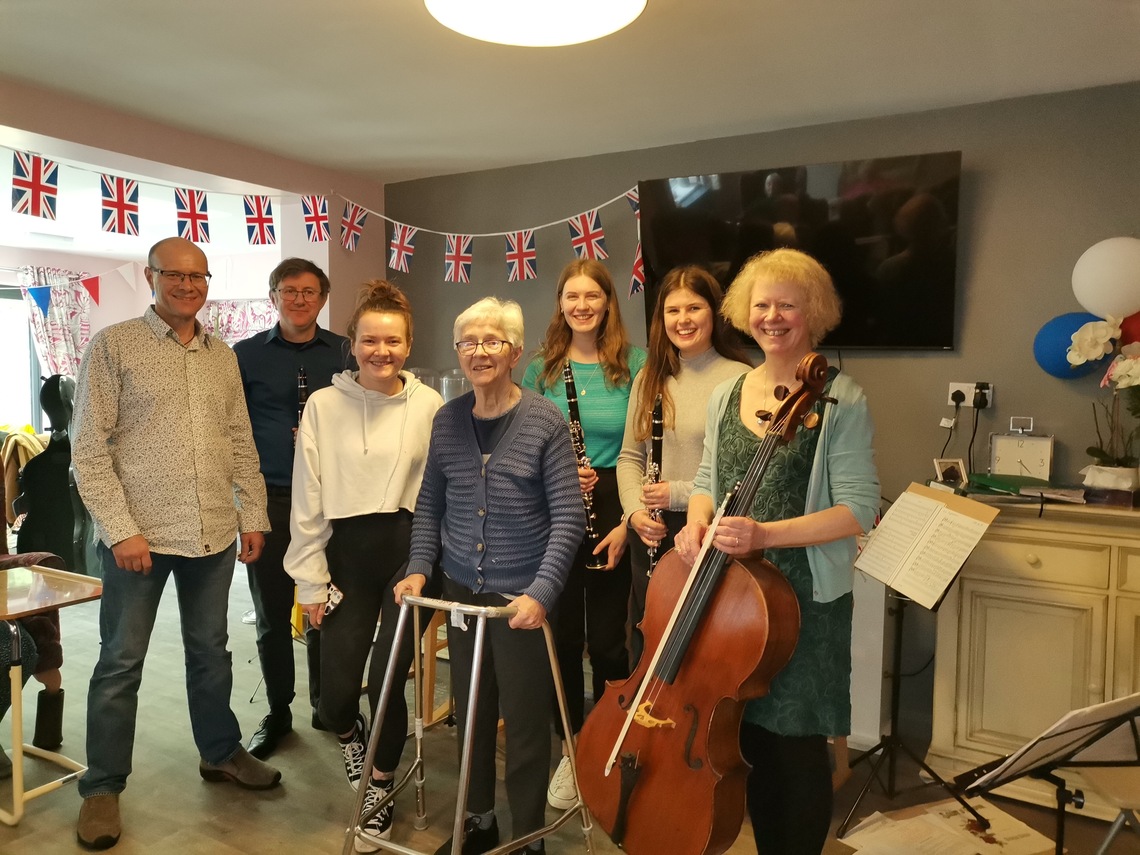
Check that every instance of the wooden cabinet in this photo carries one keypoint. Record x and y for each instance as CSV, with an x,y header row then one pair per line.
x,y
1044,619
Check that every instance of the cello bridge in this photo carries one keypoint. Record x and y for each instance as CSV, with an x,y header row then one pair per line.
x,y
644,717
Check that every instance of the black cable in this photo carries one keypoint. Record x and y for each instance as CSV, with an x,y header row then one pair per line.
x,y
950,432
973,434
920,670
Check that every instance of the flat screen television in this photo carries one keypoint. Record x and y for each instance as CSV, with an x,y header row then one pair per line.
x,y
885,229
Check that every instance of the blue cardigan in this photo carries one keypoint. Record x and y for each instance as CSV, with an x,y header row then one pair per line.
x,y
843,473
511,526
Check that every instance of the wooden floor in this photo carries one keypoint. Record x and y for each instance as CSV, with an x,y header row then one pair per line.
x,y
167,808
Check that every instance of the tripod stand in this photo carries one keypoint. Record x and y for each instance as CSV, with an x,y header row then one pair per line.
x,y
890,744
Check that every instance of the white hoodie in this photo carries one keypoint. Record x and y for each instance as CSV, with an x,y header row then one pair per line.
x,y
358,452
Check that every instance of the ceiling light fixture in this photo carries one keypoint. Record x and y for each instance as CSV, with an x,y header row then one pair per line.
x,y
535,23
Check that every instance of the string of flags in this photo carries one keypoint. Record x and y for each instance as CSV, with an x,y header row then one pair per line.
x,y
35,191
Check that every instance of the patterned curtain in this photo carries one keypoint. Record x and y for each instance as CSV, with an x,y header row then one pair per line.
x,y
233,320
59,309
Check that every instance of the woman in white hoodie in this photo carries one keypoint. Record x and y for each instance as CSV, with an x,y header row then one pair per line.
x,y
361,450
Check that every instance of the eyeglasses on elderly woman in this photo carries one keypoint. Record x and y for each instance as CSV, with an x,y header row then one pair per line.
x,y
490,346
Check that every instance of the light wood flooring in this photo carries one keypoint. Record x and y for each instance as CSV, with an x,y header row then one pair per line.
x,y
167,808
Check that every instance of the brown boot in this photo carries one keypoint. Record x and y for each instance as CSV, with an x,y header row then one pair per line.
x,y
49,720
98,826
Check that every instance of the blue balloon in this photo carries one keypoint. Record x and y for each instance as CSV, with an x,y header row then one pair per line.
x,y
1052,342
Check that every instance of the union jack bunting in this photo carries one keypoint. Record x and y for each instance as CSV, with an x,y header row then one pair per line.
x,y
586,235
522,260
637,280
316,213
402,246
634,200
193,224
259,221
120,205
35,183
352,225
457,259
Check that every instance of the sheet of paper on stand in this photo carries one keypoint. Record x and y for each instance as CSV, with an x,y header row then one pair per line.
x,y
945,828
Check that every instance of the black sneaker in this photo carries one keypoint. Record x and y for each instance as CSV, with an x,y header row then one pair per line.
x,y
476,840
381,824
354,751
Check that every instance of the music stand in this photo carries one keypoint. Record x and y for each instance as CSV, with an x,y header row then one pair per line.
x,y
1105,734
890,744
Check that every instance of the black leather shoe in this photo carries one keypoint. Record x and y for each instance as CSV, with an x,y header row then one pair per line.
x,y
476,840
269,733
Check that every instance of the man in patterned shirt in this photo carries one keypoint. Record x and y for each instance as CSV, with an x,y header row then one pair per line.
x,y
166,464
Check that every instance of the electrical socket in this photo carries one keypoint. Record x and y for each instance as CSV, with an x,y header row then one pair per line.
x,y
968,389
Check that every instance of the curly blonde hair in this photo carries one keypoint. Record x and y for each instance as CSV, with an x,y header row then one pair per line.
x,y
821,307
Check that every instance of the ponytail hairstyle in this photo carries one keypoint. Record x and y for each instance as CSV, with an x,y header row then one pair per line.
x,y
612,340
664,360
380,295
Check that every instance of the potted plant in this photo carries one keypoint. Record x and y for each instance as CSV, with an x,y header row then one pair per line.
x,y
1114,459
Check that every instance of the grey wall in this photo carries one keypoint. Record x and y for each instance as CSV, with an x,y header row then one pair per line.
x,y
1044,178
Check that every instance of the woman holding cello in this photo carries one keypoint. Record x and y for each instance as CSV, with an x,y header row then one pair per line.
x,y
819,492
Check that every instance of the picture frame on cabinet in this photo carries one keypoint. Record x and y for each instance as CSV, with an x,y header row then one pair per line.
x,y
951,470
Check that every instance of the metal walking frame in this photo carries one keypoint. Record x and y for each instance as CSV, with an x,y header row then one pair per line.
x,y
415,772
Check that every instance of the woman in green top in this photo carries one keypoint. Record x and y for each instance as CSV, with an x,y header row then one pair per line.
x,y
591,614
819,492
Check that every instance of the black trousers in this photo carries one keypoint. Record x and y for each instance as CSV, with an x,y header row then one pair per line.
x,y
789,791
516,680
591,613
272,591
639,583
367,556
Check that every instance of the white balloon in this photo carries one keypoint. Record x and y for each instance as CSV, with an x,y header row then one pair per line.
x,y
1106,278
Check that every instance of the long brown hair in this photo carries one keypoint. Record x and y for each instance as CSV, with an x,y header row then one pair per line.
x,y
612,338
380,295
664,360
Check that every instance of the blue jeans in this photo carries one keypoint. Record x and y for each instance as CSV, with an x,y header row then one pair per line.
x,y
126,618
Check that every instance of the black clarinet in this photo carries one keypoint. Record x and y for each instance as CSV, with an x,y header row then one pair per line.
x,y
302,396
653,471
595,562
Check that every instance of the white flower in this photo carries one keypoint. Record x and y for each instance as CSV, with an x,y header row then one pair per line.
x,y
1124,370
1093,341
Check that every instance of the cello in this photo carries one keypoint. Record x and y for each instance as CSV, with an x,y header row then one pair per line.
x,y
658,758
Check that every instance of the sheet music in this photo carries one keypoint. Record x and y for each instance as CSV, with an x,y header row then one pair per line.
x,y
921,544
896,534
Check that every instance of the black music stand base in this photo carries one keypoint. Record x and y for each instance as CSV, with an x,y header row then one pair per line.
x,y
890,744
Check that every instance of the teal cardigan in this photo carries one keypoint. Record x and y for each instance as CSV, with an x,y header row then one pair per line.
x,y
843,473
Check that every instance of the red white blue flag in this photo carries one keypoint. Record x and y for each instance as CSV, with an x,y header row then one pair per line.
x,y
402,246
634,200
120,205
316,213
352,225
522,260
457,259
637,280
259,221
193,224
586,235
35,184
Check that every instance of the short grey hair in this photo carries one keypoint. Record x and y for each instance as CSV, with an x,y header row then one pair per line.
x,y
504,315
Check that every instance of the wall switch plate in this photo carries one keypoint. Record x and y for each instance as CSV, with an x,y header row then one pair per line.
x,y
968,390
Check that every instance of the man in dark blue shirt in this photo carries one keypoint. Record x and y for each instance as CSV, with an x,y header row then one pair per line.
x,y
271,363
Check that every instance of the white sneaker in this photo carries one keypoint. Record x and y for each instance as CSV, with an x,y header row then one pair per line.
x,y
562,792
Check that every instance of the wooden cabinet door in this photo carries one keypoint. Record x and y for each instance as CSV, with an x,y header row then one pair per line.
x,y
1126,664
1027,655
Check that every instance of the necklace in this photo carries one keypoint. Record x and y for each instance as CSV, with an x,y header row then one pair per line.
x,y
589,380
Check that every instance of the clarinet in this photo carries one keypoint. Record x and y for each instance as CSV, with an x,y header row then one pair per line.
x,y
653,471
302,396
595,562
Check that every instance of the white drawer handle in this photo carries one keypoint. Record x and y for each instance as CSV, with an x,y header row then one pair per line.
x,y
1032,560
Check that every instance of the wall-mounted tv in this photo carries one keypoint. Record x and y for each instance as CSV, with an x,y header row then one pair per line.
x,y
886,230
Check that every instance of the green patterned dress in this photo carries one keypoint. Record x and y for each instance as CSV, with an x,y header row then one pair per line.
x,y
812,695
